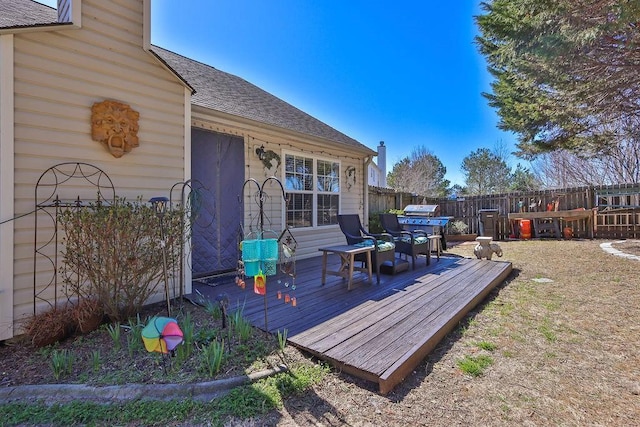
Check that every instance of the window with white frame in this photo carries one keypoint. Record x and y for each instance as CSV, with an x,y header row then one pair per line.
x,y
313,191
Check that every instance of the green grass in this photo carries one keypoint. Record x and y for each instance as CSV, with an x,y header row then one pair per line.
x,y
243,402
507,308
546,331
486,345
82,413
475,365
496,331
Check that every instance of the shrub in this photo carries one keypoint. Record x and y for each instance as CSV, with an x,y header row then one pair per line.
x,y
374,223
458,227
375,226
88,314
113,253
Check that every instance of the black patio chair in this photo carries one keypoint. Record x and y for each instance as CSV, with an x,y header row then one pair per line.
x,y
356,235
412,243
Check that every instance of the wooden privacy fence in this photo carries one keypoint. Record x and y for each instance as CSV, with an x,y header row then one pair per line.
x,y
617,208
385,199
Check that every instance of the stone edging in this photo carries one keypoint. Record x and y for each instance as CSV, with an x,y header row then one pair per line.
x,y
610,249
60,393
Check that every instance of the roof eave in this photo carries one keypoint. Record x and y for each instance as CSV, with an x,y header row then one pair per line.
x,y
248,124
39,28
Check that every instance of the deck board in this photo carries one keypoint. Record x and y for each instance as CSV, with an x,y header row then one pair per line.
x,y
412,331
376,332
387,340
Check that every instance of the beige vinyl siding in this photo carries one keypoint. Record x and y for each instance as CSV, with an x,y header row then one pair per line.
x,y
58,77
255,135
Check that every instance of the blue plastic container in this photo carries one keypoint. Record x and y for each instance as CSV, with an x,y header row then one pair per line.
x,y
269,249
252,268
270,267
251,250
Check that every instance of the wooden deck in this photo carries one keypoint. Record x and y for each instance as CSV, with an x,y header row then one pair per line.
x,y
376,332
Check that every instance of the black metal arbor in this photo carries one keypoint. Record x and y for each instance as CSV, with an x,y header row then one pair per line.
x,y
65,185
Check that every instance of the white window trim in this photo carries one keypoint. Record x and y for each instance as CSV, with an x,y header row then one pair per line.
x,y
314,192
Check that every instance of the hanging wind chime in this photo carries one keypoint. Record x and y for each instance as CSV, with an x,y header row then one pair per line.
x,y
288,246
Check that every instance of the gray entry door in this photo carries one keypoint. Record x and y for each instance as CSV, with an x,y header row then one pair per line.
x,y
217,169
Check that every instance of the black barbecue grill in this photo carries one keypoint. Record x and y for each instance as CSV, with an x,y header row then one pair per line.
x,y
423,217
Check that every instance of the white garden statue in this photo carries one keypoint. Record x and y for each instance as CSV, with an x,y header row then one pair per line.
x,y
486,249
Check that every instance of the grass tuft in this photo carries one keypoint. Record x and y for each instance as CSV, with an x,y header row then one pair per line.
x,y
114,333
62,363
486,345
475,366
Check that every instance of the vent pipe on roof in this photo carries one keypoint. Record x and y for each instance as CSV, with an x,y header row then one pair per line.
x,y
382,164
70,13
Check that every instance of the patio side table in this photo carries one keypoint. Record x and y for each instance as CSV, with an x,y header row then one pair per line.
x,y
347,255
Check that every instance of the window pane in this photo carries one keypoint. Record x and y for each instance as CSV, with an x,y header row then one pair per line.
x,y
308,182
298,173
334,184
328,205
328,179
293,182
299,210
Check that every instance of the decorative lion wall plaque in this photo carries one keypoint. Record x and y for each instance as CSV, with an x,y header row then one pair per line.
x,y
115,125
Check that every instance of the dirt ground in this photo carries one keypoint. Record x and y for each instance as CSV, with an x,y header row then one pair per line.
x,y
562,332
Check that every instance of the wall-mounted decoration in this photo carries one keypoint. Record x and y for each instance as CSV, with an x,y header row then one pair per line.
x,y
350,177
115,125
271,162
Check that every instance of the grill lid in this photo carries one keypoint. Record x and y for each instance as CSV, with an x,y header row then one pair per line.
x,y
420,210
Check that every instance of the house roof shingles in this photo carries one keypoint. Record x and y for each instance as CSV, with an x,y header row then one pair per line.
x,y
214,89
231,94
26,13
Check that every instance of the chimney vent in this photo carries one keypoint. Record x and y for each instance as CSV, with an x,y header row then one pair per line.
x,y
64,11
382,164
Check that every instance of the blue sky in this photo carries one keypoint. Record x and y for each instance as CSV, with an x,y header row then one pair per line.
x,y
406,72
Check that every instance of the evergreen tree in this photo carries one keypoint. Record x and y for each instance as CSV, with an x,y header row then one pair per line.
x,y
522,179
485,173
566,71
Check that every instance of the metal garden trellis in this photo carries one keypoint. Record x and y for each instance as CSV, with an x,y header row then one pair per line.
x,y
47,198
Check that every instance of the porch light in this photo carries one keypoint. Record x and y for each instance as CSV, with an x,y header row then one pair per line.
x,y
260,152
159,205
